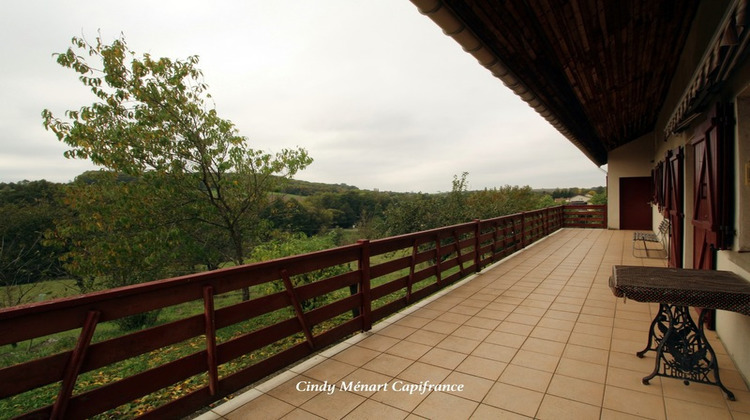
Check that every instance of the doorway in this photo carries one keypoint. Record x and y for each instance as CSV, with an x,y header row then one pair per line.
x,y
635,207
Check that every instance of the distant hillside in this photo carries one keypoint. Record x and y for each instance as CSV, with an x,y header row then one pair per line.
x,y
307,188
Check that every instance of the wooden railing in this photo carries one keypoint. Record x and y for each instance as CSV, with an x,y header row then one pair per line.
x,y
222,347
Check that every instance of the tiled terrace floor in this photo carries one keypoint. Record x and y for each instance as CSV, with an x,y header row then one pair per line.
x,y
539,335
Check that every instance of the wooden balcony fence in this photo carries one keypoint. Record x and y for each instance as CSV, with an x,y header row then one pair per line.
x,y
379,278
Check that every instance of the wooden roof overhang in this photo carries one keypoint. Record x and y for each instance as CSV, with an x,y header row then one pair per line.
x,y
598,70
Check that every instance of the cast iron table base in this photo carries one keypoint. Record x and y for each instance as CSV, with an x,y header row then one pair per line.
x,y
682,350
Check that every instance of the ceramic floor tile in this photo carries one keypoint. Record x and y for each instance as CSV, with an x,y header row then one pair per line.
x,y
481,367
364,382
427,313
330,370
453,318
523,318
448,359
464,310
472,333
356,356
577,389
412,321
378,342
493,314
427,338
553,348
373,410
472,388
488,412
551,334
484,323
586,354
336,405
505,339
534,360
592,329
445,406
397,331
300,414
402,400
704,394
409,350
623,400
630,379
514,399
582,370
421,372
442,327
388,364
588,340
515,328
459,344
561,315
289,391
524,377
558,324
263,407
681,409
556,408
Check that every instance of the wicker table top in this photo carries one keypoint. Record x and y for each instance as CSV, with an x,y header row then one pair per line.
x,y
684,287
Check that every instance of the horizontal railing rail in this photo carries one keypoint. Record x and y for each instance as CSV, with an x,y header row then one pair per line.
x,y
220,344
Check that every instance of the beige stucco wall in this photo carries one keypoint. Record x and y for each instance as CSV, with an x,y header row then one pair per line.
x,y
733,328
631,160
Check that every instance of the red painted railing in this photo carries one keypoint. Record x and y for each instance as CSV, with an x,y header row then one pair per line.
x,y
230,346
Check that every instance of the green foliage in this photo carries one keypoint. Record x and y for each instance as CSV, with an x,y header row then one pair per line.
x,y
28,210
346,209
151,121
119,232
599,198
291,215
416,212
294,244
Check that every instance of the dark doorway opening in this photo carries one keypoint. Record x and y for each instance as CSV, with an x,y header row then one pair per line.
x,y
635,207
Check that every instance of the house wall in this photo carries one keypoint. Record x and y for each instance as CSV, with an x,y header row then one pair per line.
x,y
733,328
626,161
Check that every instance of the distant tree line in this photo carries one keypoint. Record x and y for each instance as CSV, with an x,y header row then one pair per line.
x,y
572,192
84,229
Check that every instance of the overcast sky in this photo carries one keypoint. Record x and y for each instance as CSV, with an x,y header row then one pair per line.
x,y
375,92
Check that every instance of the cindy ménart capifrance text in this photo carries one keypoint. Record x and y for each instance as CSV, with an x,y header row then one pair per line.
x,y
395,386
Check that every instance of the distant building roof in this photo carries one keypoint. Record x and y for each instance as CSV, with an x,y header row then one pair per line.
x,y
579,199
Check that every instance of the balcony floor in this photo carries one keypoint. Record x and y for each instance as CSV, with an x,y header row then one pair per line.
x,y
539,335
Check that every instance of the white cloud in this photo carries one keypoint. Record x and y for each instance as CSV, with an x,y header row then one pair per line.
x,y
374,90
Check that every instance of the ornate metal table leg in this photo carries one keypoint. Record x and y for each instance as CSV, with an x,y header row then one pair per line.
x,y
661,330
682,350
656,331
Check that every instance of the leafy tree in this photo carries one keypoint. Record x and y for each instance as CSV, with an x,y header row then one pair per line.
x,y
290,215
152,120
599,198
294,244
28,210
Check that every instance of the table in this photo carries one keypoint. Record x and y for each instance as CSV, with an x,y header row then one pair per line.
x,y
682,350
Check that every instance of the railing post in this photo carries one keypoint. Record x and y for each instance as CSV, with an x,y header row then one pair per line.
x,y
73,367
364,285
477,244
523,229
209,317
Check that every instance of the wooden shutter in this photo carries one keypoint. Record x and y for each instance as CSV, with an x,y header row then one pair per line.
x,y
675,183
713,201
